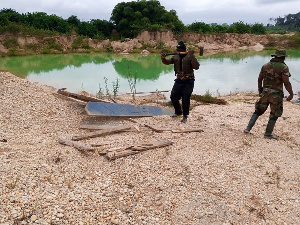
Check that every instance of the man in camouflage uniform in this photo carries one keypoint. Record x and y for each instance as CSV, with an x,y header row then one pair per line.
x,y
270,86
184,66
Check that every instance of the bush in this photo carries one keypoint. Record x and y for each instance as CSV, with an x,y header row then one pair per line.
x,y
11,43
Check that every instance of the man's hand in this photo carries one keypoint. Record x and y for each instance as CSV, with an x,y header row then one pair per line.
x,y
162,55
290,97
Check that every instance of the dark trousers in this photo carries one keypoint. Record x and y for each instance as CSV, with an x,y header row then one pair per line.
x,y
182,90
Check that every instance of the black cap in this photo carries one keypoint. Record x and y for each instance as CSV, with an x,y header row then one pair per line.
x,y
181,46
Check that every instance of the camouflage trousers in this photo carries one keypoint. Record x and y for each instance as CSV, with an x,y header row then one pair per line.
x,y
272,98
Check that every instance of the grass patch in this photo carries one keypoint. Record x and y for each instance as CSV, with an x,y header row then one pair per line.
x,y
208,98
80,42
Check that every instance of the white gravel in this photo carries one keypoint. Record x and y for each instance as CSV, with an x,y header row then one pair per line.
x,y
219,176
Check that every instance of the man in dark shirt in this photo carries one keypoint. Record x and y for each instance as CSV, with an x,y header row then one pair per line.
x,y
184,65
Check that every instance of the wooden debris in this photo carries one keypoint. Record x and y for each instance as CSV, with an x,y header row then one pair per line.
x,y
150,92
132,120
153,128
187,130
101,144
93,126
160,130
82,97
101,133
79,146
115,153
137,128
109,126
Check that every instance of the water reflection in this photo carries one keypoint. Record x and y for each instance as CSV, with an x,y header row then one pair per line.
x,y
218,74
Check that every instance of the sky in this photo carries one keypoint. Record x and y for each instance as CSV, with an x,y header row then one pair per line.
x,y
188,11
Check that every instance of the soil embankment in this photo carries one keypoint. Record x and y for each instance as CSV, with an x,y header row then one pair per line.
x,y
144,42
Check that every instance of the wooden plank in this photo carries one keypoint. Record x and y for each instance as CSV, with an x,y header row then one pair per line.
x,y
153,128
79,146
101,144
101,133
108,126
93,126
150,92
187,130
115,153
84,98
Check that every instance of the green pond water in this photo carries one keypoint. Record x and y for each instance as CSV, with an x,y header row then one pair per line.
x,y
219,74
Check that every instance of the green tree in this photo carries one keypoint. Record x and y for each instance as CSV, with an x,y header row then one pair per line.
x,y
219,29
240,27
289,22
104,28
41,20
73,21
199,27
258,29
10,15
87,29
132,17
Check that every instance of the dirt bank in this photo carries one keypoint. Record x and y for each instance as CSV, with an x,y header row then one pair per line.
x,y
145,41
218,176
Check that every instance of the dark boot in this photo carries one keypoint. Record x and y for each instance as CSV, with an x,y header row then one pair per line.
x,y
184,119
270,127
251,123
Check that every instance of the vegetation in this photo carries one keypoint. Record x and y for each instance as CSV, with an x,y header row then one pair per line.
x,y
238,27
132,17
115,85
208,98
127,20
290,22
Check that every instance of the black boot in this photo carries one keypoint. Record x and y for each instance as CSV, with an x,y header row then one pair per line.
x,y
270,127
251,123
184,119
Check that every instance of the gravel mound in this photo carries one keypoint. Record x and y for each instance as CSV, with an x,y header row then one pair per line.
x,y
218,176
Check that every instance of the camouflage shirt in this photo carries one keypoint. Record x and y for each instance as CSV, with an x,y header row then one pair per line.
x,y
272,74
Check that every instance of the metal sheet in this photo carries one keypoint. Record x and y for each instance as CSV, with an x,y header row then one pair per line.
x,y
114,109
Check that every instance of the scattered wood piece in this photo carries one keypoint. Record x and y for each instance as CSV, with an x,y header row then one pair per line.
x,y
150,92
153,128
109,126
132,120
101,133
101,144
159,130
79,146
94,126
187,130
83,97
115,153
69,99
137,128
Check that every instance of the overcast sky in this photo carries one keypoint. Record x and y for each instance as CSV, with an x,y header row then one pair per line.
x,y
188,11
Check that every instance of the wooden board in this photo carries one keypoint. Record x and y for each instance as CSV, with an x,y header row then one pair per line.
x,y
125,110
115,153
100,133
84,98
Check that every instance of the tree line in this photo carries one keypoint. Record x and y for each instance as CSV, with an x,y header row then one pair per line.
x,y
128,19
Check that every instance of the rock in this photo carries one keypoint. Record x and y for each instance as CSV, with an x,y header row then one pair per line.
x,y
33,218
